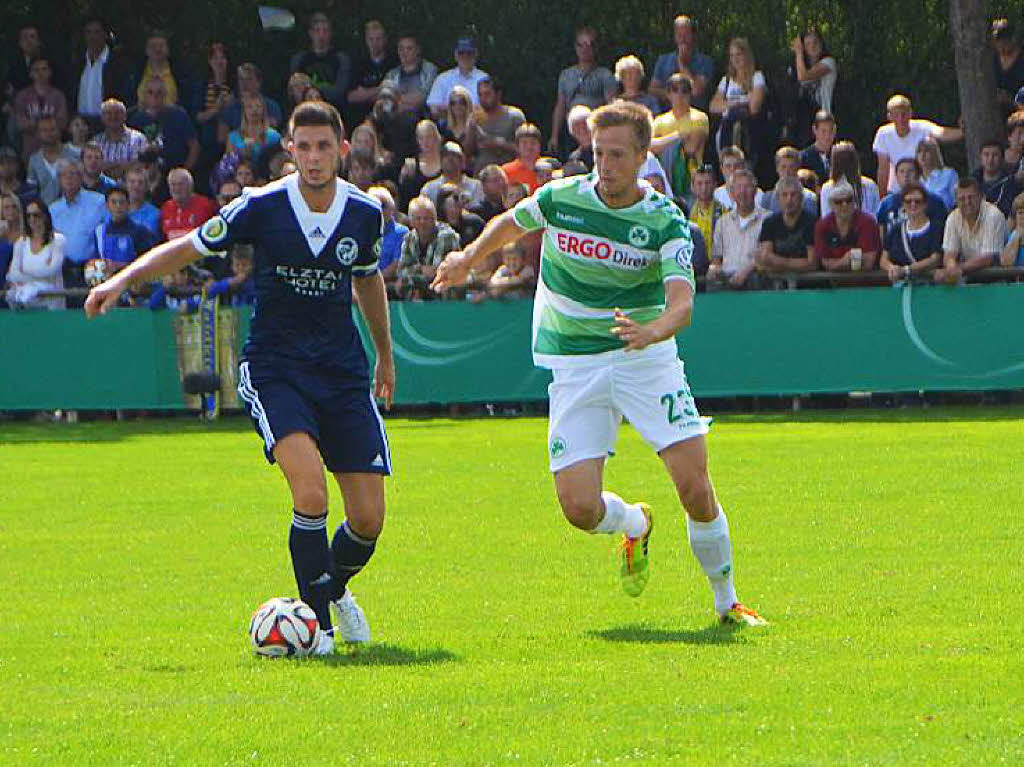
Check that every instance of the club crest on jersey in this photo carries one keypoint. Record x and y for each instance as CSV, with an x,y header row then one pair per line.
x,y
639,236
347,250
557,447
215,230
684,256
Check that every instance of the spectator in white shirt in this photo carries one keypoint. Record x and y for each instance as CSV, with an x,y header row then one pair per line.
x,y
465,74
735,240
899,138
37,262
974,236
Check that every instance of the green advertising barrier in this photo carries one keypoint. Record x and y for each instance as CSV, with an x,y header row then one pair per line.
x,y
785,342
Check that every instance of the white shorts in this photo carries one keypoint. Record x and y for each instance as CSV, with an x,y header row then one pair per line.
x,y
589,403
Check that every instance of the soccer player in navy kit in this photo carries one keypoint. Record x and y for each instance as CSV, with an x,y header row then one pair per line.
x,y
304,375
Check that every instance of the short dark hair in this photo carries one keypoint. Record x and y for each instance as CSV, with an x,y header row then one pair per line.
x,y
115,190
968,182
47,218
990,142
494,82
311,113
916,186
911,161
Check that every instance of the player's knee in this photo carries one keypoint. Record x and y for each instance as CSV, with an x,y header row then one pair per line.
x,y
367,522
310,499
580,509
697,496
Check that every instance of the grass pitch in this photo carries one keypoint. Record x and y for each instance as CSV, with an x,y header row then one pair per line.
x,y
884,548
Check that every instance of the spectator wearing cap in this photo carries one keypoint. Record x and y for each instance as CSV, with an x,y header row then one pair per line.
x,y
491,136
685,60
119,144
42,165
167,127
735,240
93,177
786,242
329,68
185,210
913,246
818,156
975,234
997,180
453,171
76,214
787,164
413,78
1007,62
11,180
369,71
629,72
900,136
494,186
844,229
522,169
40,99
465,73
583,83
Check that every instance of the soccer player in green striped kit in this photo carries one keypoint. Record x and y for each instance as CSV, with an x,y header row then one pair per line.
x,y
616,285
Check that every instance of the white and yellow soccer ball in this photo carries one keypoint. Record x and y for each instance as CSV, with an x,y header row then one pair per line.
x,y
284,626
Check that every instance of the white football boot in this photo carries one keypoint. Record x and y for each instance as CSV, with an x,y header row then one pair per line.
x,y
326,644
350,621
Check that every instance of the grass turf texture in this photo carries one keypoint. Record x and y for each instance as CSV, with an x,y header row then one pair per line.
x,y
885,549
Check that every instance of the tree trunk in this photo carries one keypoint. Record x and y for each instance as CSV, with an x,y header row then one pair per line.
x,y
982,118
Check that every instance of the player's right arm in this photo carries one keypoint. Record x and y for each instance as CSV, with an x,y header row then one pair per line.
x,y
166,258
499,232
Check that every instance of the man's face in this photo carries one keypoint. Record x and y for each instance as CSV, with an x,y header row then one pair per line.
x,y
683,35
580,131
586,49
679,97
991,159
40,72
135,183
743,192
465,59
92,159
617,160
320,34
95,36
487,95
229,190
46,131
528,148
729,165
900,117
113,118
452,165
494,187
28,41
117,204
157,49
969,202
317,154
824,133
376,40
906,172
453,208
787,167
704,186
180,187
154,95
408,53
423,220
70,179
790,200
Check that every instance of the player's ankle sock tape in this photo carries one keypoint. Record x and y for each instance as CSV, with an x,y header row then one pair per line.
x,y
303,522
351,552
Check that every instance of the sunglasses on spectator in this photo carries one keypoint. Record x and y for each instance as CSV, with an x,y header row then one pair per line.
x,y
35,214
842,201
913,201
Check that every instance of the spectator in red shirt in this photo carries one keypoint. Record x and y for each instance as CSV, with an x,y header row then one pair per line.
x,y
844,231
522,169
185,210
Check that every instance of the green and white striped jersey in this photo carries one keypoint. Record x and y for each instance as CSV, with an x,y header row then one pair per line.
x,y
595,259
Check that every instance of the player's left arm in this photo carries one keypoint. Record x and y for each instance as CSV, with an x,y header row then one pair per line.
x,y
676,316
372,297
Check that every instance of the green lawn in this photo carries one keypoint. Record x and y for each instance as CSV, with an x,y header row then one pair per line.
x,y
884,547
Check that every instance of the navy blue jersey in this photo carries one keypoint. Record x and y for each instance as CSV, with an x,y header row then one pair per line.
x,y
303,265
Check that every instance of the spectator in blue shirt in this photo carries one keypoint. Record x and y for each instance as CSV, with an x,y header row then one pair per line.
x,y
891,211
76,214
93,177
120,240
686,60
140,210
238,289
392,238
167,127
1013,252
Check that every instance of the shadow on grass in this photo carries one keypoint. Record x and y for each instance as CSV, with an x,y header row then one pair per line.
x,y
713,634
388,655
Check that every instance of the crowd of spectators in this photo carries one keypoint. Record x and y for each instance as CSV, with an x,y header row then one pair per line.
x,y
100,163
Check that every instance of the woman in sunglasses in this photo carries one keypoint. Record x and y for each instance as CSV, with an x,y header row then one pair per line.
x,y
913,248
37,262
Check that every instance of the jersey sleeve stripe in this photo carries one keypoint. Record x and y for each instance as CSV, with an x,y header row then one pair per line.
x,y
364,269
202,247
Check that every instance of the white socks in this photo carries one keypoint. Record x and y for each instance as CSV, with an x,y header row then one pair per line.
x,y
621,517
710,544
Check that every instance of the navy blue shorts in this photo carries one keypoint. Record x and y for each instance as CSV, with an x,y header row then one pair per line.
x,y
340,415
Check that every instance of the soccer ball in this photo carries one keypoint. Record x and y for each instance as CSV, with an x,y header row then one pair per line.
x,y
95,272
284,626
